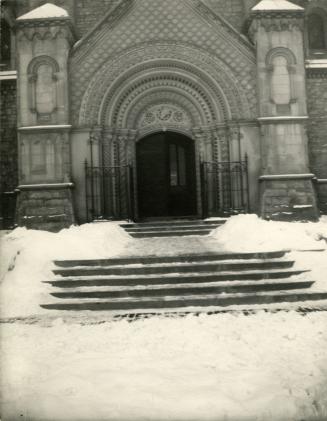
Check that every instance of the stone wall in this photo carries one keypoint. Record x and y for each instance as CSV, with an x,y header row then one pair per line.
x,y
8,152
231,10
317,131
45,208
86,13
8,139
286,199
89,12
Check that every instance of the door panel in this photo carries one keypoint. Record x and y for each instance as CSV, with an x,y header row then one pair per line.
x,y
166,175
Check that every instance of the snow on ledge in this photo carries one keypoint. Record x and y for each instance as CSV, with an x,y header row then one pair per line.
x,y
285,176
46,11
316,64
46,127
276,5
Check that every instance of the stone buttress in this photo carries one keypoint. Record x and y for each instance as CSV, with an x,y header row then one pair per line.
x,y
44,38
287,190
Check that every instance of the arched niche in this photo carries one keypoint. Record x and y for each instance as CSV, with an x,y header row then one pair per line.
x,y
42,76
281,65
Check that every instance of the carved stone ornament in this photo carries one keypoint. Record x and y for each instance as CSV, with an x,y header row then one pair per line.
x,y
165,114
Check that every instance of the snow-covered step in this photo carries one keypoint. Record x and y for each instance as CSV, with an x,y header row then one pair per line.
x,y
171,258
164,283
171,228
170,233
188,227
175,223
217,300
176,268
180,290
116,280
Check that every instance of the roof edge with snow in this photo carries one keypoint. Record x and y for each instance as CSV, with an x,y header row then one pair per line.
x,y
276,6
47,11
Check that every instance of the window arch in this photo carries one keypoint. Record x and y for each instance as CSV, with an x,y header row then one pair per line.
x,y
317,31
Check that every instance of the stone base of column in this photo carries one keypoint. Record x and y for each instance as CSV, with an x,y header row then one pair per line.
x,y
289,197
45,206
322,195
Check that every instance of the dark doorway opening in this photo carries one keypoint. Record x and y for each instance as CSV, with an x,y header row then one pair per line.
x,y
166,181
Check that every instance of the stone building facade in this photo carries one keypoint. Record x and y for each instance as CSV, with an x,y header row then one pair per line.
x,y
150,108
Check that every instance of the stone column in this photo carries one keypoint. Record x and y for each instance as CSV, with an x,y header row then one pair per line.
x,y
131,160
202,203
44,38
286,182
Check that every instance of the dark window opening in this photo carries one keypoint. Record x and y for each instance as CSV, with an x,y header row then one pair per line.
x,y
5,48
316,32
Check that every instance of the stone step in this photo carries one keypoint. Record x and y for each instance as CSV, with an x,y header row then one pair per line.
x,y
171,233
175,223
216,300
170,259
189,227
183,289
180,268
192,278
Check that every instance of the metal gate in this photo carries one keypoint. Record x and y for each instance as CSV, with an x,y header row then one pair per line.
x,y
109,192
224,187
7,209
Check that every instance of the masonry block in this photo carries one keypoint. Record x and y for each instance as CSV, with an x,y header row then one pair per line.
x,y
296,202
39,213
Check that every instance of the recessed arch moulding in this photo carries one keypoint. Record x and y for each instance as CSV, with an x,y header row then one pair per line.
x,y
161,87
164,87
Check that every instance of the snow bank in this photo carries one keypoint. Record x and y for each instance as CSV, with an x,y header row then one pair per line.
x,y
27,256
250,233
267,367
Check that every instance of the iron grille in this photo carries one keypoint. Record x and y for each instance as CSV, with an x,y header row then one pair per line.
x,y
225,188
109,192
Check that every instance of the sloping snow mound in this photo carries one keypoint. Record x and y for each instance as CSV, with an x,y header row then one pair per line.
x,y
250,233
27,260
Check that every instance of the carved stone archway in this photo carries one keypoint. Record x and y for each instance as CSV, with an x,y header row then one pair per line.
x,y
182,64
166,88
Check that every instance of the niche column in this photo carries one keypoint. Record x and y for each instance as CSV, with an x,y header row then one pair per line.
x,y
44,39
286,187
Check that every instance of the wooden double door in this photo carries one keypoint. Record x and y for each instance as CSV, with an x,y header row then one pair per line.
x,y
166,181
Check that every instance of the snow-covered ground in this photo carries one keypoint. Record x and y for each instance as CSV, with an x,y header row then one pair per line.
x,y
259,367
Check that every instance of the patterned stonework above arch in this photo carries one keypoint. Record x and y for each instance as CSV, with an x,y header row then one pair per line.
x,y
203,81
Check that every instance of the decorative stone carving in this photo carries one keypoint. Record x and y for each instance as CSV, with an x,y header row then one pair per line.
x,y
163,114
51,30
274,22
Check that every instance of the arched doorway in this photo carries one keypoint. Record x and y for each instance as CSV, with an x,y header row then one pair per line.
x,y
166,181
